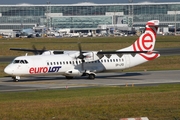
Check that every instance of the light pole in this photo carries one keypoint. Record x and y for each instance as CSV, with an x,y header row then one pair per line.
x,y
175,23
48,11
130,20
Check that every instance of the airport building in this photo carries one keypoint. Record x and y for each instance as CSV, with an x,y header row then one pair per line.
x,y
88,16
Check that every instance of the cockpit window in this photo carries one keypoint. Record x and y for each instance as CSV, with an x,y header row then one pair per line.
x,y
26,61
16,61
20,61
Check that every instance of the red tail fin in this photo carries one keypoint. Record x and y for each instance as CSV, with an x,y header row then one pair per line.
x,y
146,41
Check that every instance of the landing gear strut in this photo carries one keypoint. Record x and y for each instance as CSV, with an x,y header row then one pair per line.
x,y
15,78
90,75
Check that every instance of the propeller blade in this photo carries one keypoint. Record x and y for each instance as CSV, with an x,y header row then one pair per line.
x,y
35,50
79,46
38,52
82,66
81,56
43,49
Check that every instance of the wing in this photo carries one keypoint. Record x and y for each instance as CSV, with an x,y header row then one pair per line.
x,y
120,53
38,52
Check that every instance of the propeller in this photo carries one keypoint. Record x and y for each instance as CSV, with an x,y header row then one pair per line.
x,y
43,49
35,50
81,56
38,52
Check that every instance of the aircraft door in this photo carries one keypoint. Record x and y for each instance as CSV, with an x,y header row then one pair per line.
x,y
127,61
89,56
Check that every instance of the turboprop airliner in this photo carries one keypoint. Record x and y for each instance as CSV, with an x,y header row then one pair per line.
x,y
85,63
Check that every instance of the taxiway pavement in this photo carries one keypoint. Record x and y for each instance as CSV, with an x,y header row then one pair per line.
x,y
144,78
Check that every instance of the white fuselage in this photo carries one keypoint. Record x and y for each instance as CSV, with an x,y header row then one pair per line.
x,y
68,65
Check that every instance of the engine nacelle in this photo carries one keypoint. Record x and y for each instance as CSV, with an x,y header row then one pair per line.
x,y
73,72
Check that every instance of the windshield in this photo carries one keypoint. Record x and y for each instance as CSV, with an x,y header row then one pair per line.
x,y
20,61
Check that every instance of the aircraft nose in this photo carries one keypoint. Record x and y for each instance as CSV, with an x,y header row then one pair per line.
x,y
8,70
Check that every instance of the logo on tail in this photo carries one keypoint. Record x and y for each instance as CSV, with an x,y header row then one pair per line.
x,y
146,41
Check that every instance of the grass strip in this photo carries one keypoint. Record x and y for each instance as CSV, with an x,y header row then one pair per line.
x,y
160,102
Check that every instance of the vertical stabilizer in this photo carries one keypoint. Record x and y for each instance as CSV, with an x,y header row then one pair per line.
x,y
146,41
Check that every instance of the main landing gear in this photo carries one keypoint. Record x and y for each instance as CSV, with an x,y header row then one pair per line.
x,y
90,75
69,77
16,78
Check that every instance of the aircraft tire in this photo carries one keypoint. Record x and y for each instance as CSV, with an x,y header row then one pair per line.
x,y
91,76
69,77
14,79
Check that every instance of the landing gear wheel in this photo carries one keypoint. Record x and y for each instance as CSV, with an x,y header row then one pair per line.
x,y
69,77
91,76
14,79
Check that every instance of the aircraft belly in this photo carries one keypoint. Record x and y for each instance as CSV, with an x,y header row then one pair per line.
x,y
115,66
94,67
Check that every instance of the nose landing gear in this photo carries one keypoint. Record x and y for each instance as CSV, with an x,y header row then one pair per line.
x,y
16,78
